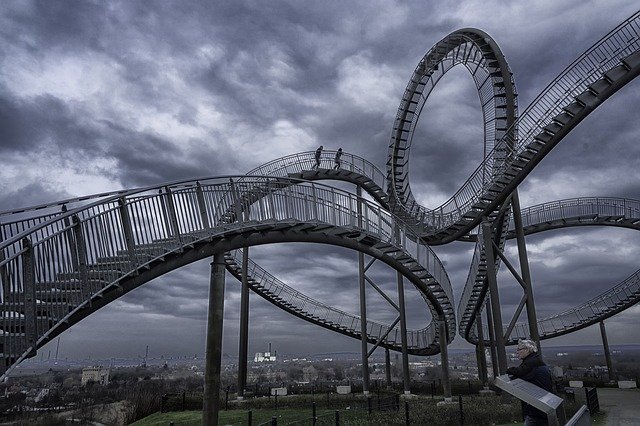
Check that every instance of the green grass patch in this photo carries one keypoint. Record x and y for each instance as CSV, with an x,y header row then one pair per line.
x,y
236,417
297,410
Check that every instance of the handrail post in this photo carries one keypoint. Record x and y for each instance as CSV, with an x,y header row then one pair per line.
x,y
235,200
202,206
174,229
70,239
29,288
4,278
81,251
128,231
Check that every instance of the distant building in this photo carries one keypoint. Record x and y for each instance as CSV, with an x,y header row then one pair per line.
x,y
265,356
98,375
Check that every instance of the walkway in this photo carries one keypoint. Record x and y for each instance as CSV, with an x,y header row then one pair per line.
x,y
622,406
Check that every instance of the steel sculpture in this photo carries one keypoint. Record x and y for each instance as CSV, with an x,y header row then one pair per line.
x,y
62,261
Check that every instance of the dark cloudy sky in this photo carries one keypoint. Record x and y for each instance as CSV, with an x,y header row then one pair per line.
x,y
97,96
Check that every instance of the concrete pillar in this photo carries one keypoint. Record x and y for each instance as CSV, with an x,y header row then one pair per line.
x,y
211,400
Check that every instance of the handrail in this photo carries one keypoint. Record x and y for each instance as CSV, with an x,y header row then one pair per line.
x,y
340,317
82,253
572,81
602,56
586,313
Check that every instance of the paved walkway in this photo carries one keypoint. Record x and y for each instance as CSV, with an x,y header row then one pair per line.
x,y
622,406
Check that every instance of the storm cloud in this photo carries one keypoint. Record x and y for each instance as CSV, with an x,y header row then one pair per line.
x,y
99,96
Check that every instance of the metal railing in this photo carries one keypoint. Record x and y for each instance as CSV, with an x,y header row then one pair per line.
x,y
575,79
615,299
53,269
271,286
579,208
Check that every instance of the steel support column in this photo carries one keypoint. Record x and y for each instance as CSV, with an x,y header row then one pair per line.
x,y
403,332
524,270
495,299
444,356
363,306
211,400
387,365
482,361
607,354
244,326
492,339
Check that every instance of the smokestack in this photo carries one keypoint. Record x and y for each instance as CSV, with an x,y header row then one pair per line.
x,y
269,347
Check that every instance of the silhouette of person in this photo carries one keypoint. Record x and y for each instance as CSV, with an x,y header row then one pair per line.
x,y
318,153
534,370
338,160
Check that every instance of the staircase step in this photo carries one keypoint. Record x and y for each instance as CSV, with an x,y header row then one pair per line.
x,y
633,60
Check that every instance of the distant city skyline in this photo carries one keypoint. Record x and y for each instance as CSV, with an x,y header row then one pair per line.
x,y
99,96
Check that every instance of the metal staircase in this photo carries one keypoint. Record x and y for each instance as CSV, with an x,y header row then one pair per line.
x,y
63,269
568,99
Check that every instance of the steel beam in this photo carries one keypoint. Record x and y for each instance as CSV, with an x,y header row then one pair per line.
x,y
363,305
482,360
495,298
382,293
244,326
524,268
515,317
384,336
403,332
211,400
387,365
444,356
492,339
607,354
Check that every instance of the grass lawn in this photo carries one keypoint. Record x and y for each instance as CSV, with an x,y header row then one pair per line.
x,y
423,410
235,417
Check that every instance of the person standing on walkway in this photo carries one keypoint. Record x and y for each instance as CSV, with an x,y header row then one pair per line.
x,y
318,153
338,160
533,370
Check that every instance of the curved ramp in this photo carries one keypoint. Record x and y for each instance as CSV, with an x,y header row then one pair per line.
x,y
591,79
588,211
58,272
